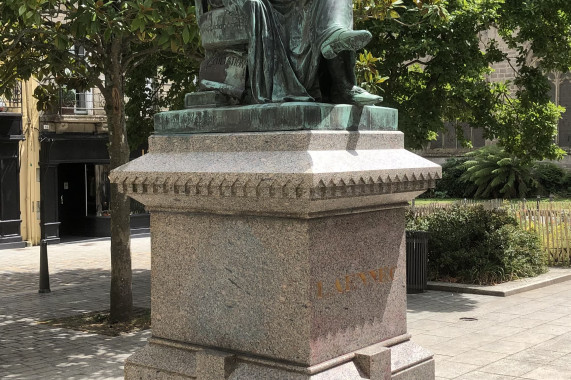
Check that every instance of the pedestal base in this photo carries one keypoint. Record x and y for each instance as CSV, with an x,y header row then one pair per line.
x,y
395,359
278,255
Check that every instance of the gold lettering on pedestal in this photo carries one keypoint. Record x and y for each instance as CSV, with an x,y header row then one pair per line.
x,y
338,286
356,281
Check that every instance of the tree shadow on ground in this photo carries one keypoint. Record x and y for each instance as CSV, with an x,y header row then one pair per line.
x,y
441,302
16,283
29,350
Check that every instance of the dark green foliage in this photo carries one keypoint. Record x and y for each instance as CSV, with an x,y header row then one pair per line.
x,y
474,245
551,179
414,222
437,59
494,173
520,251
159,84
451,185
492,170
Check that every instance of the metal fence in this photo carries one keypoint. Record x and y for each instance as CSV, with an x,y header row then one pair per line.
x,y
73,102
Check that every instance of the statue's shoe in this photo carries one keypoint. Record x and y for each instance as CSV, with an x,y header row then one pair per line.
x,y
345,39
356,96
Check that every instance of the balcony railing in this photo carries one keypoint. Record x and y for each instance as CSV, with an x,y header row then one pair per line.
x,y
73,102
14,102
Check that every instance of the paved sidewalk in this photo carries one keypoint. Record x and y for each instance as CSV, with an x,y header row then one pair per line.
x,y
474,337
478,337
79,279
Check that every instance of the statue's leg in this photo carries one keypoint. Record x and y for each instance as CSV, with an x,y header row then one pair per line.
x,y
344,89
260,61
334,28
270,74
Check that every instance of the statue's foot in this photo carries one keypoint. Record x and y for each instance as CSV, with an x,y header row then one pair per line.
x,y
356,96
345,39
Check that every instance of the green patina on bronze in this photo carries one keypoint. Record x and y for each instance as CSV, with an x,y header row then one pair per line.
x,y
278,65
291,116
294,50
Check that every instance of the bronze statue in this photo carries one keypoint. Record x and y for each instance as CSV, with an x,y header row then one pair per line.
x,y
300,50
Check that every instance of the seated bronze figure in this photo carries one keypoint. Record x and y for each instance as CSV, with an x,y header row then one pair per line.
x,y
293,50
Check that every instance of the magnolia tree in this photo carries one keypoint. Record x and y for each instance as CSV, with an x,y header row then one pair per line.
x,y
428,58
40,39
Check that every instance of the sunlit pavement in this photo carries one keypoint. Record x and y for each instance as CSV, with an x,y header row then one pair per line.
x,y
79,279
474,337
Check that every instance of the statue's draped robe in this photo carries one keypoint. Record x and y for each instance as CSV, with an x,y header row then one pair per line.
x,y
285,44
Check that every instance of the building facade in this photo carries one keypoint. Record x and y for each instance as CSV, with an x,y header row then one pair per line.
x,y
19,179
54,169
73,163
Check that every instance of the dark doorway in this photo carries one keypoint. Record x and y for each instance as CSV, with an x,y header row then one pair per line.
x,y
71,198
10,137
75,188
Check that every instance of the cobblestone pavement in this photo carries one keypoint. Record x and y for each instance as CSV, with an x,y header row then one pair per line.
x,y
79,280
474,337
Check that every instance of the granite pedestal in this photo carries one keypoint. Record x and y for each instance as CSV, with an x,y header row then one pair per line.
x,y
278,255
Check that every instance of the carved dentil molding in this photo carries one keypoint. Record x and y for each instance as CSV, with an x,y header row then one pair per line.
x,y
220,186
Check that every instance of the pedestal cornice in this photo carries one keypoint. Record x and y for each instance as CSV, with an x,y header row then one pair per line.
x,y
302,173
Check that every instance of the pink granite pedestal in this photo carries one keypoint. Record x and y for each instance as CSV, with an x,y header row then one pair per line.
x,y
278,255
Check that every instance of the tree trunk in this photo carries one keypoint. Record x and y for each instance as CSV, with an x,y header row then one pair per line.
x,y
121,296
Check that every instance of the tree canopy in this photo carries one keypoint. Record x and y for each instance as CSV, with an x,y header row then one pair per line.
x,y
430,60
95,43
427,59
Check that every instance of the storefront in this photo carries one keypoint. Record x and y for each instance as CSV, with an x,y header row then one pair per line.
x,y
75,188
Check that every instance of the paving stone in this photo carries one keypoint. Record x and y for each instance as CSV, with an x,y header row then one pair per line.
x,y
451,370
485,376
559,344
529,336
562,362
536,355
526,336
551,373
505,347
478,357
79,279
509,367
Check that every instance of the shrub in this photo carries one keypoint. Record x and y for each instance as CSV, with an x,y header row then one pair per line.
x,y
497,174
474,245
550,179
519,251
415,222
451,186
492,173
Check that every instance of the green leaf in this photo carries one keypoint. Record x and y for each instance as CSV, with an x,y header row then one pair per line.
x,y
136,24
185,36
164,38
